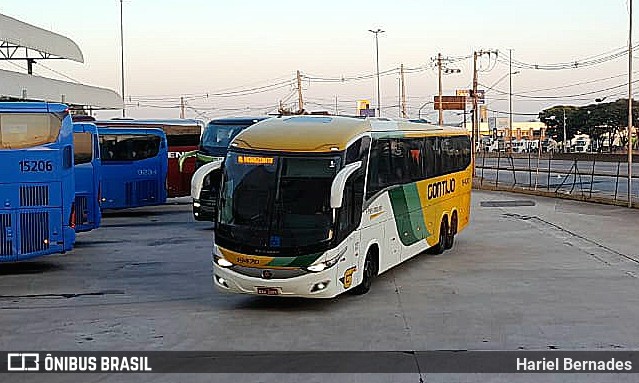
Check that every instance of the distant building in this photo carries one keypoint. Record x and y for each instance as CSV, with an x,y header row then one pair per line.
x,y
498,127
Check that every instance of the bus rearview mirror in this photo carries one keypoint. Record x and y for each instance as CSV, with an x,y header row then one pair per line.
x,y
337,187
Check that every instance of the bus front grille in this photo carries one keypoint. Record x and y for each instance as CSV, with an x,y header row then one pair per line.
x,y
82,210
6,247
128,193
36,195
147,191
34,232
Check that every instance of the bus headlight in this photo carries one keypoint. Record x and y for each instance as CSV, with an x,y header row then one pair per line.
x,y
221,261
196,204
321,266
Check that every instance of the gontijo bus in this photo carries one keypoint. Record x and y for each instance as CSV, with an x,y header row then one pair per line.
x,y
88,176
134,167
316,206
36,181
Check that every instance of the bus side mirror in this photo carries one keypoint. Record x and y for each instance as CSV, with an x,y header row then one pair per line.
x,y
197,181
337,188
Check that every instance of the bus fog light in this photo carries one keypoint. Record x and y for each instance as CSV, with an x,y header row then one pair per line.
x,y
221,281
320,286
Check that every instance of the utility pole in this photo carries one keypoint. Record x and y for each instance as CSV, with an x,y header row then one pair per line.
x,y
565,138
401,72
510,100
300,99
441,110
379,101
475,96
630,108
336,107
475,111
439,62
122,54
181,107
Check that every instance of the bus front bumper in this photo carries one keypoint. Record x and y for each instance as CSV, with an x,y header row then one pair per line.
x,y
203,210
312,285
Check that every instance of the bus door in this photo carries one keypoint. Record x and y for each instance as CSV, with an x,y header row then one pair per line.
x,y
88,177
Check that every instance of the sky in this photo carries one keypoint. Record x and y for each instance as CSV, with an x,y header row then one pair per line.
x,y
198,48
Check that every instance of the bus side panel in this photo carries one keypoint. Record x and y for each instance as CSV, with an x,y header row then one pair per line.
x,y
86,197
179,183
441,196
378,228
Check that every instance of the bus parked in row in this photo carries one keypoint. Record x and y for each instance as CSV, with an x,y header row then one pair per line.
x,y
37,187
211,151
88,176
316,206
134,167
182,136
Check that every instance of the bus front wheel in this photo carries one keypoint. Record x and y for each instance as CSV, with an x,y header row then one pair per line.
x,y
370,271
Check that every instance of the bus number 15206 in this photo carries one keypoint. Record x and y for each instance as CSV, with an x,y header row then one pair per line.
x,y
35,166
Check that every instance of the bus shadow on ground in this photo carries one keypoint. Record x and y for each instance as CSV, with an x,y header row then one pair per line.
x,y
80,244
22,268
287,303
135,213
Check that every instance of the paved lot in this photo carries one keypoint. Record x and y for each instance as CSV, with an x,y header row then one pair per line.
x,y
557,275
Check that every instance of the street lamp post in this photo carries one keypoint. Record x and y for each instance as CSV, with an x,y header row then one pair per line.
x,y
122,56
379,102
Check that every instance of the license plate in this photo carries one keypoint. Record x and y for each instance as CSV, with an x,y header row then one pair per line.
x,y
268,291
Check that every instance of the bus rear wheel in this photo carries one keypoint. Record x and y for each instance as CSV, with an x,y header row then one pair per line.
x,y
443,234
370,271
452,231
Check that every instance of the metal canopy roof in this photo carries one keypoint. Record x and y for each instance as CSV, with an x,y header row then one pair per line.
x,y
17,34
19,86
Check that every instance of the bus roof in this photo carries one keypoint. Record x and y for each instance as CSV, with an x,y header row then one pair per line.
x,y
328,133
237,120
105,130
160,122
169,126
34,107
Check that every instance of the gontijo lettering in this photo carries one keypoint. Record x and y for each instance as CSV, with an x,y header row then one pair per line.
x,y
441,188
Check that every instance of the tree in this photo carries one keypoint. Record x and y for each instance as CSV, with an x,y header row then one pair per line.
x,y
597,120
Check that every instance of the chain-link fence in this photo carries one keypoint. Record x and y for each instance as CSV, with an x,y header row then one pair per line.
x,y
590,177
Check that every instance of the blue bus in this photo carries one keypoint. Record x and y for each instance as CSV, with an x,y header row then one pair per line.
x,y
37,180
211,152
134,167
86,159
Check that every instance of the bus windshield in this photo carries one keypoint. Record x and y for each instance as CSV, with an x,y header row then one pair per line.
x,y
26,130
129,147
217,138
277,203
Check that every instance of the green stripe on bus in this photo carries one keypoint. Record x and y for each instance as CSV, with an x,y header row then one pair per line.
x,y
408,214
301,261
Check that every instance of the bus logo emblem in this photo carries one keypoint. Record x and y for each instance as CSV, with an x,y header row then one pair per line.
x,y
267,274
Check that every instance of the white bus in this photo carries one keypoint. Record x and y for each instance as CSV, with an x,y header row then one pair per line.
x,y
313,206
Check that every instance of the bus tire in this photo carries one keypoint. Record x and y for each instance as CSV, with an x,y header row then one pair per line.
x,y
452,231
443,234
370,271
